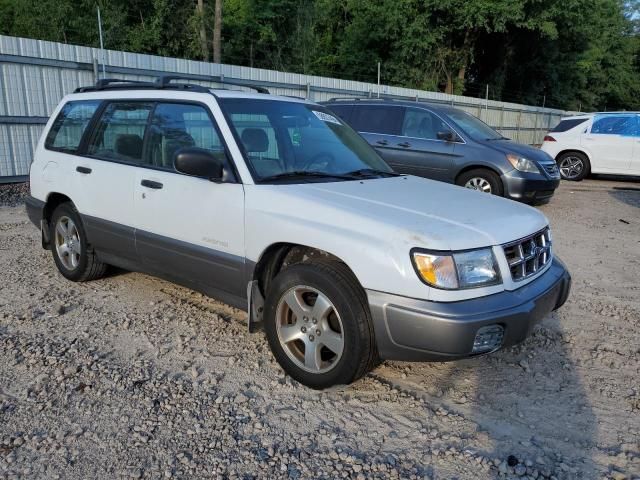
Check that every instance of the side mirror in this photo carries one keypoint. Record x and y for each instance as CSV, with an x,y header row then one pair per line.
x,y
446,135
199,163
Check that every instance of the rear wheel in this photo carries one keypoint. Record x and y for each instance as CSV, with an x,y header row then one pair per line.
x,y
482,180
73,256
318,324
573,166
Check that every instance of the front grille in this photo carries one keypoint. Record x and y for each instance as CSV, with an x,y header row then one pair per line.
x,y
528,255
552,170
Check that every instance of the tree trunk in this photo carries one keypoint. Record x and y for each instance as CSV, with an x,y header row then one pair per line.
x,y
203,32
217,33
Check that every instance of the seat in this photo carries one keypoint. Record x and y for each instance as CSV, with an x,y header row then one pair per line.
x,y
129,145
426,129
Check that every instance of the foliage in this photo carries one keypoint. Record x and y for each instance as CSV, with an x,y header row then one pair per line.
x,y
568,53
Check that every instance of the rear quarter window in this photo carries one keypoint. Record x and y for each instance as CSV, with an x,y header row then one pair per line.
x,y
70,124
566,125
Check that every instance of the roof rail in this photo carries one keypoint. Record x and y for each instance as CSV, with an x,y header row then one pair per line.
x,y
163,82
357,99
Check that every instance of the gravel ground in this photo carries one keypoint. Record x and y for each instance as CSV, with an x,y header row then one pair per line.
x,y
133,377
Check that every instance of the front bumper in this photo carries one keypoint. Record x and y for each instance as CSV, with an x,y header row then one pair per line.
x,y
419,330
529,188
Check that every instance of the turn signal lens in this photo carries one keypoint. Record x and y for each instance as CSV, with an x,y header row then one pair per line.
x,y
549,138
437,270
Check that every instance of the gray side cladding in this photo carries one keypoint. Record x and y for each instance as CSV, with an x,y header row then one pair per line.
x,y
212,272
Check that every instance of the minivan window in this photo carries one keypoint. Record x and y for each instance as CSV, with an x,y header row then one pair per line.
x,y
343,111
120,131
472,126
175,126
382,119
292,137
625,125
69,126
566,125
419,123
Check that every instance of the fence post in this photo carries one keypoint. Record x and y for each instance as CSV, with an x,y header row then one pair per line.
x,y
96,72
501,118
309,91
518,126
535,129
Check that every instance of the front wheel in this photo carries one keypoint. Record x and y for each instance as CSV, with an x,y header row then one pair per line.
x,y
481,180
318,324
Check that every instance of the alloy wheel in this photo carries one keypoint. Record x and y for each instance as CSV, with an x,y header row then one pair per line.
x,y
67,243
571,167
478,183
309,329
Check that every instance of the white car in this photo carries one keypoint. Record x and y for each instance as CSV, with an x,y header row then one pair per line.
x,y
607,143
274,205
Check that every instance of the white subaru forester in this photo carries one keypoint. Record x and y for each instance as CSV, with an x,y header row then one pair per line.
x,y
273,205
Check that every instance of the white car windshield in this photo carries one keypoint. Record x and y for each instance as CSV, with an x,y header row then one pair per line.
x,y
295,141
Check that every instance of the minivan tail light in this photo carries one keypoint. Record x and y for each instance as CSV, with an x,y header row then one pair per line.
x,y
549,138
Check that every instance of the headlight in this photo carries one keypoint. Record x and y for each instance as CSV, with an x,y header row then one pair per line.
x,y
522,164
457,270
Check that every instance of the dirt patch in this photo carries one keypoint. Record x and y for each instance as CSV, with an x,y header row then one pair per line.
x,y
134,377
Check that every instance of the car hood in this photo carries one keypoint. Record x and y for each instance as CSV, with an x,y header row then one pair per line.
x,y
411,210
526,151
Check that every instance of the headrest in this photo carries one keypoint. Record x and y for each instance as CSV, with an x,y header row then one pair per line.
x,y
129,144
255,140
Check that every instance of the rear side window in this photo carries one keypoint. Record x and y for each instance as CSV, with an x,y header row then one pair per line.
x,y
120,132
67,129
380,119
625,125
177,126
566,125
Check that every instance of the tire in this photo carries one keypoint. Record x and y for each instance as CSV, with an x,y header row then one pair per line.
x,y
483,180
67,233
576,166
349,318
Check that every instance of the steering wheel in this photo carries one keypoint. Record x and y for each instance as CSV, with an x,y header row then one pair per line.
x,y
317,160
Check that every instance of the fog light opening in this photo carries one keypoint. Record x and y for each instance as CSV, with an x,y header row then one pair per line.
x,y
488,339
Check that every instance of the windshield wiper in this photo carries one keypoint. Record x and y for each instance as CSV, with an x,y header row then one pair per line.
x,y
305,173
498,138
370,172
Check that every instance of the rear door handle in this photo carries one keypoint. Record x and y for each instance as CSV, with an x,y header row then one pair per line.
x,y
404,144
151,184
382,142
86,170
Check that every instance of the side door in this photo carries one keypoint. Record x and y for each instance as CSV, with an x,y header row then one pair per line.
x,y
106,171
380,125
189,229
419,151
611,140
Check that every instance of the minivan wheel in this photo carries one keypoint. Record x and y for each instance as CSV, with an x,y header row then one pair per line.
x,y
318,324
482,180
573,166
73,256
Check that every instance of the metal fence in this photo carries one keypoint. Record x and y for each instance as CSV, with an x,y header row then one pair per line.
x,y
35,75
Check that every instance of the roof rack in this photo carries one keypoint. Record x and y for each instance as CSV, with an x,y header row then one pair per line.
x,y
163,82
351,99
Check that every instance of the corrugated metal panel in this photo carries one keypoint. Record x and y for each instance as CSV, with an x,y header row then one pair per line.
x,y
35,90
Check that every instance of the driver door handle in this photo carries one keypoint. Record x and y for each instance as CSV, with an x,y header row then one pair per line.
x,y
151,184
382,142
404,144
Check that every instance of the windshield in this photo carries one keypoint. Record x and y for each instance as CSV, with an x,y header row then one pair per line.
x,y
299,141
475,128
